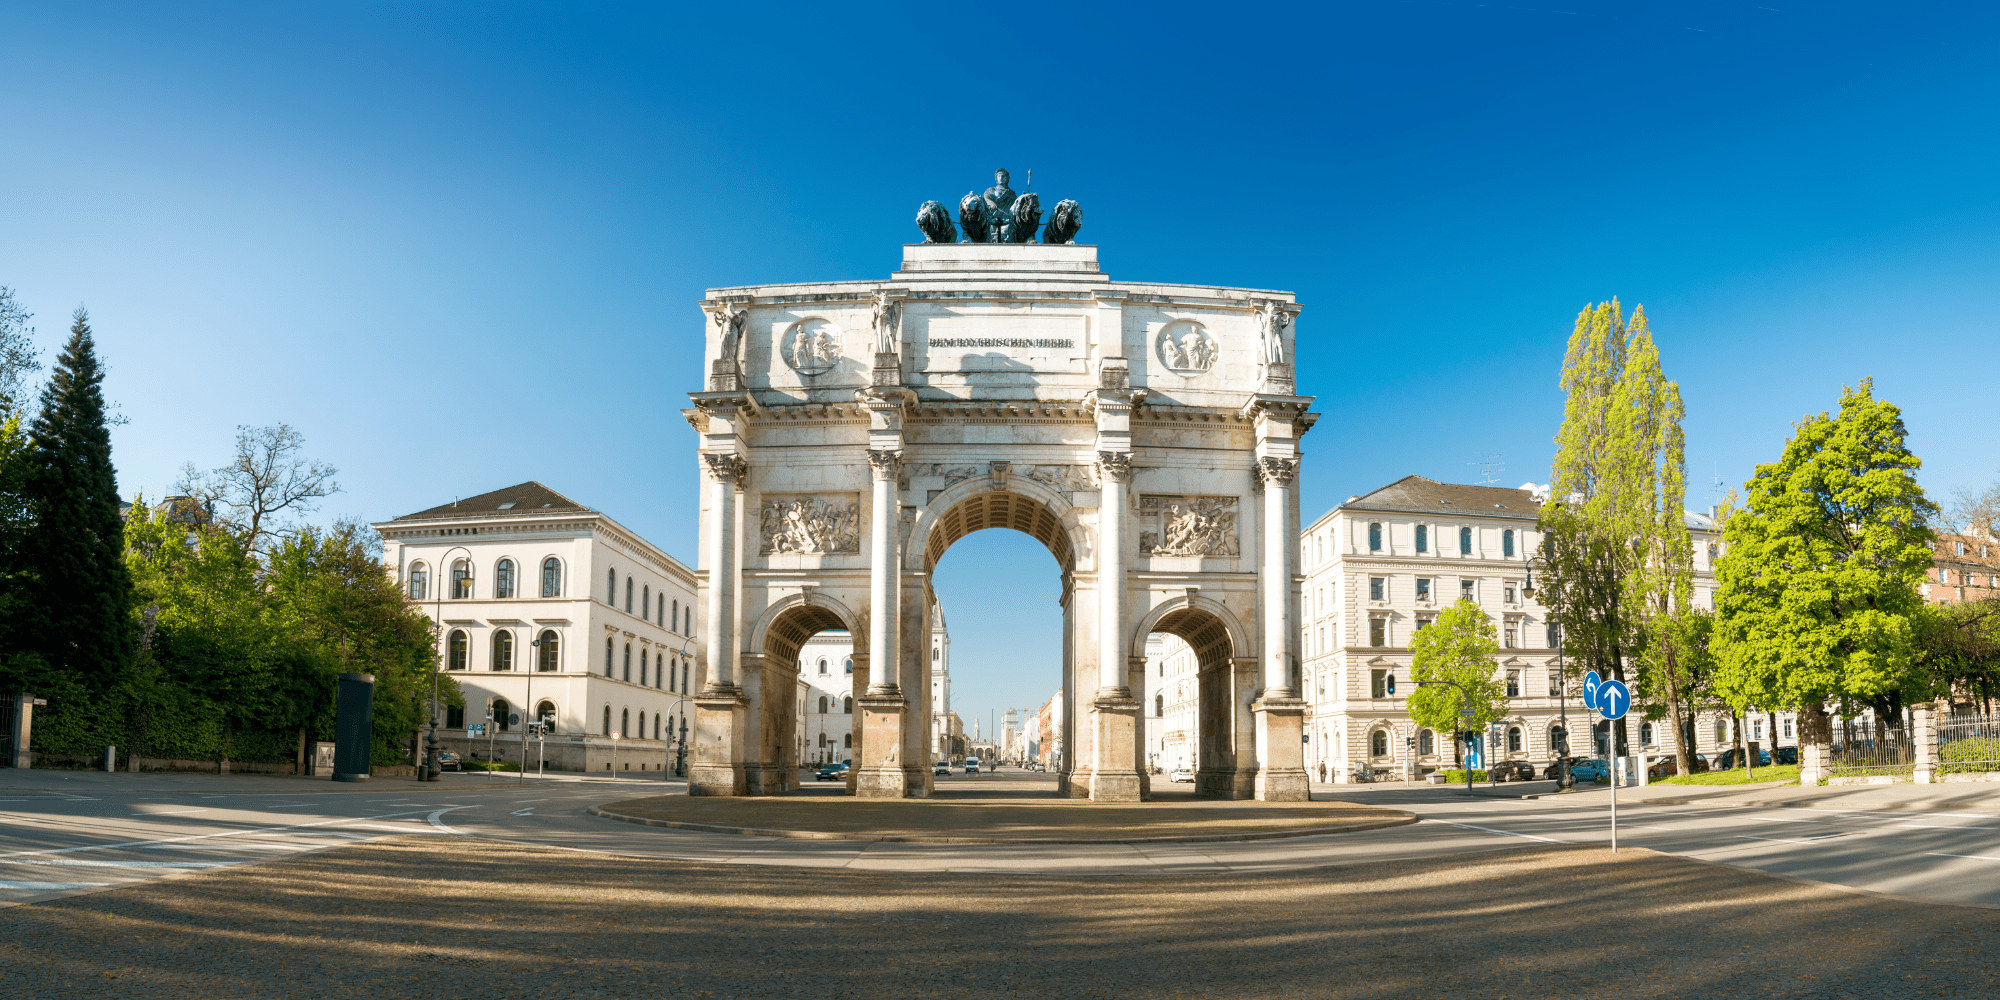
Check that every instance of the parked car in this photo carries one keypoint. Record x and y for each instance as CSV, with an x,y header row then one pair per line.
x,y
1588,771
1665,768
942,767
1037,766
833,772
448,761
1734,757
1181,774
1511,770
972,765
1785,755
1554,770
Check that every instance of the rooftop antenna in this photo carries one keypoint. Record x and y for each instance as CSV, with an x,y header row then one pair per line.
x,y
1490,467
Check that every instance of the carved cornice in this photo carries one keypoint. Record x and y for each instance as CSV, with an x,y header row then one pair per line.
x,y
1116,466
725,468
1277,471
885,463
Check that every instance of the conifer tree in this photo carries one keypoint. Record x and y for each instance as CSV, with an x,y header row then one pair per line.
x,y
79,625
1818,585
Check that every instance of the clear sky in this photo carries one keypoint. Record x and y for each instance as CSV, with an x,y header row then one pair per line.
x,y
459,246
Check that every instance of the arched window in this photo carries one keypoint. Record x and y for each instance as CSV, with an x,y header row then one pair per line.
x,y
503,649
628,661
656,725
642,668
848,741
687,613
628,595
670,678
1721,732
611,588
646,601
420,582
848,666
607,720
684,676
677,617
1378,743
609,651
1159,706
461,580
1558,740
549,657
1426,743
847,705
503,579
1514,740
500,712
625,723
660,619
460,649
1646,733
1507,543
822,704
1375,537
1465,541
552,577
822,666
545,712
934,655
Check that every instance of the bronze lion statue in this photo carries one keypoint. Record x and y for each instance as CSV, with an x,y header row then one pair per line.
x,y
936,223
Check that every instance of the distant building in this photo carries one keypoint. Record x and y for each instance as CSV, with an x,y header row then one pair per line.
x,y
549,609
1966,567
1169,706
826,665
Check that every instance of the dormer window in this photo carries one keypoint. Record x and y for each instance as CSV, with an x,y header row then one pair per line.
x,y
1375,537
1465,541
1423,538
1507,542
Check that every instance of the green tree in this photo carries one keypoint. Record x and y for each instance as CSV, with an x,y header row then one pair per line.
x,y
17,576
82,595
17,354
1818,583
1615,546
1458,648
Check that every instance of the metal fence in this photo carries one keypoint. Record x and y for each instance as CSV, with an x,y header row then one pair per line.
x,y
1893,754
1968,744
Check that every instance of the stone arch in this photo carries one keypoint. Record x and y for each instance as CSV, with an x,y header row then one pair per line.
x,y
978,503
1225,679
782,630
1183,616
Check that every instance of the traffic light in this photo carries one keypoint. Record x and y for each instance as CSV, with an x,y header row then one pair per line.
x,y
1389,683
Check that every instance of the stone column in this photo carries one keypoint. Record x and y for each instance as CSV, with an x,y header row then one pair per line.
x,y
1114,712
879,769
1280,728
717,765
1923,718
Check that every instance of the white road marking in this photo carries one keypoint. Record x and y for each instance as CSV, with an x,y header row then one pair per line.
x,y
530,810
1504,833
51,886
1939,826
198,836
83,863
1773,840
172,812
1975,857
237,847
1777,819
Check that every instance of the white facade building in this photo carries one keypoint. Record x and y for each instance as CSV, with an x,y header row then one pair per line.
x,y
826,668
1171,699
1381,566
544,602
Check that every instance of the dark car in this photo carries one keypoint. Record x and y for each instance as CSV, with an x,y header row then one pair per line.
x,y
1511,770
1785,755
833,772
1734,757
1554,770
447,761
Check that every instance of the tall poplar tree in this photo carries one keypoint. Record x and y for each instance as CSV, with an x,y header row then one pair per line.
x,y
1818,585
1615,544
78,625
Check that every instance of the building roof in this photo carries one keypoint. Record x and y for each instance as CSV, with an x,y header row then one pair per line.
x,y
1416,494
523,500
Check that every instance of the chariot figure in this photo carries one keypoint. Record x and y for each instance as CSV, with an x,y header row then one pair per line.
x,y
999,215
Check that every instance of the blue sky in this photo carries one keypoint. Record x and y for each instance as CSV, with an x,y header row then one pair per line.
x,y
459,246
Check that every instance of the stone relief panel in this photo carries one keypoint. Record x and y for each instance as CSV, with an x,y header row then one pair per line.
x,y
812,346
1187,348
810,524
1189,526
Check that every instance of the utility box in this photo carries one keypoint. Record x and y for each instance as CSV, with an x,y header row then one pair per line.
x,y
321,759
353,727
23,718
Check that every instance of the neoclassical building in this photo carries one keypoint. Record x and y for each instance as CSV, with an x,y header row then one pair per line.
x,y
826,669
1381,566
544,602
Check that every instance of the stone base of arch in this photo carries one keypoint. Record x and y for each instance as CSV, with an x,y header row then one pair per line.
x,y
880,773
1114,773
1281,728
717,766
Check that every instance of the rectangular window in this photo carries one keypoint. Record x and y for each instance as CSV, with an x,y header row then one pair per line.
x,y
1555,684
1423,623
1512,634
1376,588
454,718
1378,631
1788,729
1507,594
1465,589
1379,678
1757,730
1513,683
1423,588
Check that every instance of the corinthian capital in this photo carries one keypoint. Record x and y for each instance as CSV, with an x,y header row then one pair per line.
x,y
1116,465
725,468
1277,471
885,463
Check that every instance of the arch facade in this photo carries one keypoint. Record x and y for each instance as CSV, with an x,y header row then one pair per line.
x,y
852,432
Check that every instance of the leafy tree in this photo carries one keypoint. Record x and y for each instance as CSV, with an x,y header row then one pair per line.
x,y
1459,647
17,353
81,595
1817,596
1957,651
268,479
1616,552
17,576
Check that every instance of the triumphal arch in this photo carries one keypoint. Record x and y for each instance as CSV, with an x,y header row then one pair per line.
x,y
1146,433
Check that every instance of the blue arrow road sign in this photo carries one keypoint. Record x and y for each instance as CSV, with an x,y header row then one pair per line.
x,y
1591,682
1613,698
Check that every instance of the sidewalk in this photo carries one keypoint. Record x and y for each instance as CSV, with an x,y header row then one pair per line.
x,y
1948,796
87,782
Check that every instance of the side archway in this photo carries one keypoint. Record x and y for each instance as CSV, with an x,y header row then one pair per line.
x,y
1225,680
768,672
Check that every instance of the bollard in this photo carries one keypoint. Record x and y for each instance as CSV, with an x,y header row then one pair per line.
x,y
353,727
110,760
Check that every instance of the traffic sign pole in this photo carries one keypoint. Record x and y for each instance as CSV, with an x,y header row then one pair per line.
x,y
1611,699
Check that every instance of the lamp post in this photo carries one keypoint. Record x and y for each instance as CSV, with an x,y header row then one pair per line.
x,y
1563,779
681,751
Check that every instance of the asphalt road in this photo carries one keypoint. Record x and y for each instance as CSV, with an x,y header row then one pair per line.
x,y
96,832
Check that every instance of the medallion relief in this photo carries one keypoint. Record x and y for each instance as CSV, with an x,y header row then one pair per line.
x,y
812,346
810,524
1189,526
1187,348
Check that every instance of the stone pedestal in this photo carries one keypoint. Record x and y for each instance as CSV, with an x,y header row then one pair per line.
x,y
1923,718
1815,752
878,772
717,767
1281,755
1114,726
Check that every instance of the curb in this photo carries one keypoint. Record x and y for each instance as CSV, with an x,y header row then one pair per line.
x,y
1405,820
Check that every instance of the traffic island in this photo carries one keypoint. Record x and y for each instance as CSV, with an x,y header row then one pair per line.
x,y
1043,821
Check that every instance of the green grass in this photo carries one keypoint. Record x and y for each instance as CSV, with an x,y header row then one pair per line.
x,y
1735,776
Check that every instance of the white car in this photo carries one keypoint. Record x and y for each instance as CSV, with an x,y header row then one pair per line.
x,y
1181,774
